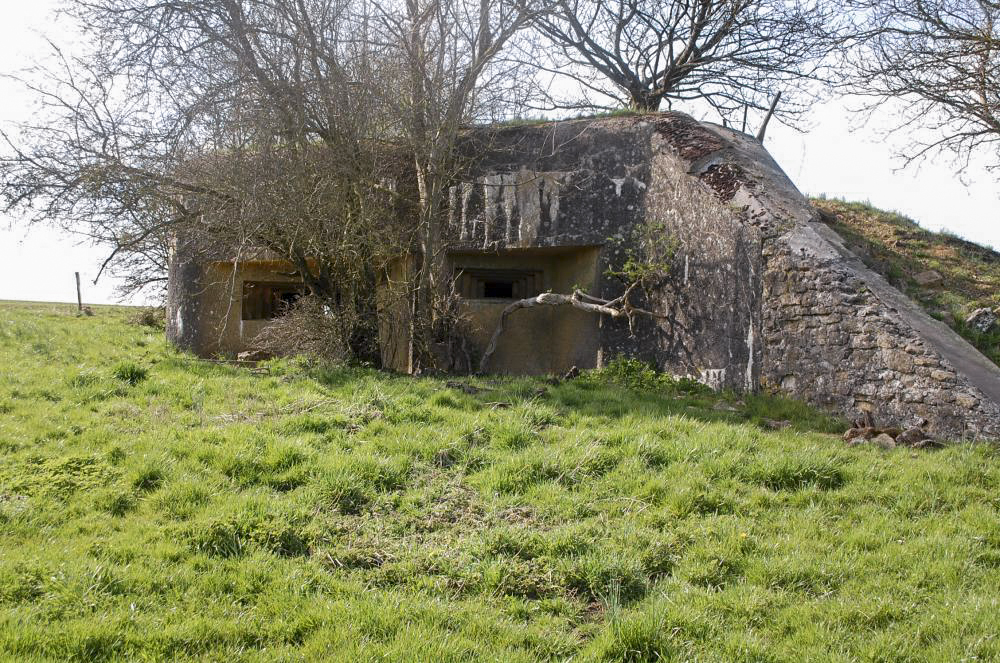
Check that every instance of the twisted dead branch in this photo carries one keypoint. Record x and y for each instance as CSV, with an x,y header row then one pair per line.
x,y
620,307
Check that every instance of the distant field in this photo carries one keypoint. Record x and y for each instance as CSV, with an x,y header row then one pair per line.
x,y
157,507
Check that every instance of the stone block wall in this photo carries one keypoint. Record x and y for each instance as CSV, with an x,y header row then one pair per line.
x,y
832,342
832,332
830,339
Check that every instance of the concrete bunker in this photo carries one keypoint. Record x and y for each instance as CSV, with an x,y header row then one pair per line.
x,y
761,294
226,305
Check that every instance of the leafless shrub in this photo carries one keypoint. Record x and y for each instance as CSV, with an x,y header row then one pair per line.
x,y
154,317
308,328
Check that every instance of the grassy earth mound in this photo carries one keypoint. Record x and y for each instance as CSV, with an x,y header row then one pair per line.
x,y
157,507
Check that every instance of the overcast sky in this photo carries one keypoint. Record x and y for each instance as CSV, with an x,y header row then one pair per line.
x,y
38,263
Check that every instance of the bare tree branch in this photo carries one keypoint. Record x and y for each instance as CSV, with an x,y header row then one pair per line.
x,y
934,66
615,308
732,54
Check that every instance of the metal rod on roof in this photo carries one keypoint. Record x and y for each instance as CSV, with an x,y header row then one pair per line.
x,y
767,118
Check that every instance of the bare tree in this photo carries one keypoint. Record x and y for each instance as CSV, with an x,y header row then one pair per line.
x,y
934,65
452,76
247,125
733,54
296,127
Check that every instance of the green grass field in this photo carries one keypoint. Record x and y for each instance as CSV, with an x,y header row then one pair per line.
x,y
155,507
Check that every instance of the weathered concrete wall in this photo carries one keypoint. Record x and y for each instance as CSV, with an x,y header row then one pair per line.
x,y
712,302
575,183
205,299
541,341
597,183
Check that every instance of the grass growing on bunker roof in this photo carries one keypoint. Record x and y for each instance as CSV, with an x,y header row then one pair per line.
x,y
157,507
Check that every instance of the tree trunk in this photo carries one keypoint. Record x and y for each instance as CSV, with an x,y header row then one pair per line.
x,y
644,101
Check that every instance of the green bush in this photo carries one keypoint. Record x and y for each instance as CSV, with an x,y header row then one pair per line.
x,y
154,317
246,529
130,373
637,637
791,473
117,502
637,375
148,479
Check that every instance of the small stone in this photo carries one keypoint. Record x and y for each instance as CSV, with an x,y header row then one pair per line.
x,y
941,376
771,424
928,278
885,341
884,441
983,320
898,361
929,443
859,433
865,418
966,401
254,355
856,441
911,437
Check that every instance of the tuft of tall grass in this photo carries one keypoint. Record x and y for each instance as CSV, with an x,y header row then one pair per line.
x,y
130,372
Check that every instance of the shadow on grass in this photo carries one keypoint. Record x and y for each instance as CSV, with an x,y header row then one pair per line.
x,y
605,394
626,388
